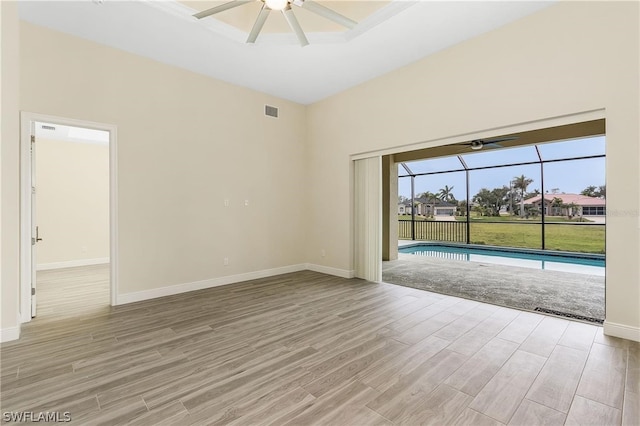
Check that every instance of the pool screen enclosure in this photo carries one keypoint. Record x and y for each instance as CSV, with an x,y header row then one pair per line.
x,y
535,175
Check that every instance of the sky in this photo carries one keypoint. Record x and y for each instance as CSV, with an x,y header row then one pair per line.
x,y
570,177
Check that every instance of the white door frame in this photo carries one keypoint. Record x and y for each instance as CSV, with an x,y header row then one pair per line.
x,y
26,118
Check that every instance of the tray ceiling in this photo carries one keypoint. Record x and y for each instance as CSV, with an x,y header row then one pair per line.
x,y
389,35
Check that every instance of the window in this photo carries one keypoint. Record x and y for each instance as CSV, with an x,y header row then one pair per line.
x,y
593,211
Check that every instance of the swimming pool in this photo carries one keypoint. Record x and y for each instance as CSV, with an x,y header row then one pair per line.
x,y
536,259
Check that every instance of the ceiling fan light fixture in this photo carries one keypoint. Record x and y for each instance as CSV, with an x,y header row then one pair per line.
x,y
283,6
276,4
476,144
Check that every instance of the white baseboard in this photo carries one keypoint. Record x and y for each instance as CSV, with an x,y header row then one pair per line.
x,y
72,263
199,285
10,333
622,331
330,271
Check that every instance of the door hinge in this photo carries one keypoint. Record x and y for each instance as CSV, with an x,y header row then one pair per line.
x,y
33,291
33,138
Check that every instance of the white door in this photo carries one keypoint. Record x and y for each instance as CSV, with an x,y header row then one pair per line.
x,y
34,226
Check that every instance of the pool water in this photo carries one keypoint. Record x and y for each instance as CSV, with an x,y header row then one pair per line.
x,y
581,264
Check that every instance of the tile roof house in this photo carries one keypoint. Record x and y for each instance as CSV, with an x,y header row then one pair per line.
x,y
437,207
430,207
585,206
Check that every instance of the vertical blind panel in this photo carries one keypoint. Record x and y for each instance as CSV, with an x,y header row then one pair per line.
x,y
368,219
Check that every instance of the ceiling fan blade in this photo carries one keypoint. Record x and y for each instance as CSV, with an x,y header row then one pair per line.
x,y
487,141
491,145
329,14
295,26
220,8
257,26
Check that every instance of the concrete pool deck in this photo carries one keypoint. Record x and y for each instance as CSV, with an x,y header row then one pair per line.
x,y
514,287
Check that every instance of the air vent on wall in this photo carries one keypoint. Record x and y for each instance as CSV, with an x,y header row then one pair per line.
x,y
45,127
271,111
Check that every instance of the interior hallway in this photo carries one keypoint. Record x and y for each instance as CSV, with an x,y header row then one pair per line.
x,y
72,292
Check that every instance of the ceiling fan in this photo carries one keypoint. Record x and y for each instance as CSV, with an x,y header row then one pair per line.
x,y
283,6
477,144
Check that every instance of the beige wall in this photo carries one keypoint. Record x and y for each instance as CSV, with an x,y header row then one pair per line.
x,y
72,198
185,143
569,58
10,132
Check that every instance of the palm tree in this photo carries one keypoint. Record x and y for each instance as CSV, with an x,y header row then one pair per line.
x,y
589,191
429,196
521,183
558,204
533,193
572,208
445,193
462,208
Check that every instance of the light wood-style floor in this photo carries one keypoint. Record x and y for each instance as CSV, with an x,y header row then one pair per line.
x,y
307,348
72,292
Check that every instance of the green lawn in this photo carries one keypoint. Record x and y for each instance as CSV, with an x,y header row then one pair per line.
x,y
517,219
586,239
576,238
408,217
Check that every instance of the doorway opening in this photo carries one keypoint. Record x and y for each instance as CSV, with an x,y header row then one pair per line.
x,y
517,220
68,217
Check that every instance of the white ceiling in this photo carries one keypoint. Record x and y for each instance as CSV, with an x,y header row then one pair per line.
x,y
396,35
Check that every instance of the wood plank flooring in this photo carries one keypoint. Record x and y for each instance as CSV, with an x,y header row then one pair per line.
x,y
310,349
72,292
